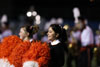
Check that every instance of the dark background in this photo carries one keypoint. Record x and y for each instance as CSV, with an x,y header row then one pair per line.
x,y
51,8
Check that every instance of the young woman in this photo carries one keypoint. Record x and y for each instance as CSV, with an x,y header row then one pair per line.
x,y
25,34
27,53
37,55
13,47
57,36
5,30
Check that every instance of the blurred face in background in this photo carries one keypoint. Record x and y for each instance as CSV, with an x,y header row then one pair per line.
x,y
51,34
80,25
5,26
23,33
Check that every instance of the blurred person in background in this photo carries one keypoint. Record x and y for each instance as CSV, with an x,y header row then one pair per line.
x,y
44,37
97,48
73,47
97,38
87,41
5,30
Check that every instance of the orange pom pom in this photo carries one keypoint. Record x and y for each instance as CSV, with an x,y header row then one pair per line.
x,y
8,44
38,52
17,54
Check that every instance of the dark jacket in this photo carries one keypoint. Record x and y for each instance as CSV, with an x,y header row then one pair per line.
x,y
57,55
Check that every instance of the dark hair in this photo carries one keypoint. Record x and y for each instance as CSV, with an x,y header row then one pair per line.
x,y
82,18
59,30
6,23
31,29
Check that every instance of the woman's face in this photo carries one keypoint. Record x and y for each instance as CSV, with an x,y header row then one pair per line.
x,y
51,34
22,33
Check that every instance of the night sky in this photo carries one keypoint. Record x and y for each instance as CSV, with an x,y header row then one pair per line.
x,y
51,8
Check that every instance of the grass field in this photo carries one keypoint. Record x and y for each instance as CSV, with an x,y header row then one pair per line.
x,y
93,63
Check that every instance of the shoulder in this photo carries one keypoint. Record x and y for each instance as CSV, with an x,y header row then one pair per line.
x,y
87,30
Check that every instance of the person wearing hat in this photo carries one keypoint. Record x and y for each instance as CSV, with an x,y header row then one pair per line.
x,y
87,41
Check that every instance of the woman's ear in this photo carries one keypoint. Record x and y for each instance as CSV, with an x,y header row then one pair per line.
x,y
57,35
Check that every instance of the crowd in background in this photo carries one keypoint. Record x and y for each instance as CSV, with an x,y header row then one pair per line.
x,y
82,44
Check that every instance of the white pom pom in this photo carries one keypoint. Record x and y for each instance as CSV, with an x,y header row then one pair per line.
x,y
12,66
1,62
30,64
5,63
